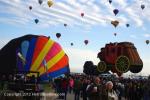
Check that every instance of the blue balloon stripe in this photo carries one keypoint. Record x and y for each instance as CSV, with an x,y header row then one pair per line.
x,y
24,48
30,54
55,73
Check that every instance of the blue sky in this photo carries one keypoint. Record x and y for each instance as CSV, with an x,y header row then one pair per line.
x,y
16,20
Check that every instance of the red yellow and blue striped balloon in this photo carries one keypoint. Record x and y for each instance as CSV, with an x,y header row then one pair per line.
x,y
43,55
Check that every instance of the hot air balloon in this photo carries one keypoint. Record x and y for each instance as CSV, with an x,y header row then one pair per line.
x,y
71,44
65,25
115,23
127,25
40,1
147,41
86,42
36,21
30,7
142,6
116,11
110,1
58,35
49,3
115,34
40,53
117,61
82,14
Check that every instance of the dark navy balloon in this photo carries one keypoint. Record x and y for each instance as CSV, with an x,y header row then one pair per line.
x,y
36,21
127,25
58,35
142,7
116,11
110,1
71,44
40,1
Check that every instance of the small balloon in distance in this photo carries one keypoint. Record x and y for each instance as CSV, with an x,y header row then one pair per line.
x,y
30,7
110,1
40,1
147,41
115,23
82,14
36,21
86,42
65,25
115,34
142,6
116,11
127,25
49,3
71,44
58,35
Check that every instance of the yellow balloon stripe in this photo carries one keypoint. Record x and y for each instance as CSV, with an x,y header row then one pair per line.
x,y
52,62
41,56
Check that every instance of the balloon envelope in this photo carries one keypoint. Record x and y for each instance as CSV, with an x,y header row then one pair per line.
x,y
82,14
40,53
30,7
110,1
86,42
36,21
71,44
147,41
40,1
115,23
116,11
58,35
142,7
65,25
50,3
127,25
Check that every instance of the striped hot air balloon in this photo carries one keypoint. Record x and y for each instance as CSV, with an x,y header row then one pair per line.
x,y
38,49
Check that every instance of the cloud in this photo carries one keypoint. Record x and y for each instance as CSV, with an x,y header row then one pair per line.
x,y
69,11
77,58
146,66
132,14
133,36
146,35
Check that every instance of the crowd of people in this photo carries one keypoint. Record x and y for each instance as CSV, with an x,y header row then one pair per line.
x,y
84,87
99,88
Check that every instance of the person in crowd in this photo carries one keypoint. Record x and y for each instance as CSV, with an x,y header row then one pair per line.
x,y
77,88
120,89
95,90
146,92
84,86
64,86
110,92
71,84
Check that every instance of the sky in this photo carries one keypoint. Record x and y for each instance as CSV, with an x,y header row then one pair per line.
x,y
95,26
